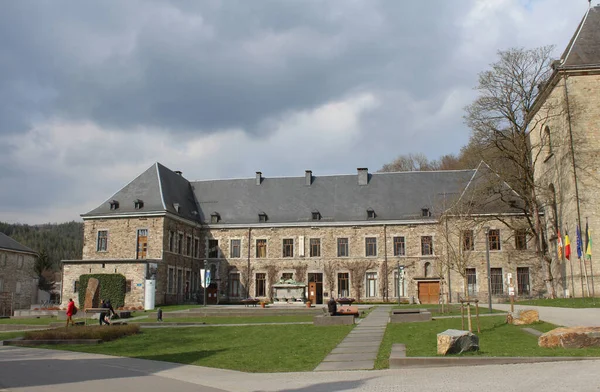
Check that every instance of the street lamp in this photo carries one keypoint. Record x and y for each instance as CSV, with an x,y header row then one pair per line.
x,y
204,285
489,270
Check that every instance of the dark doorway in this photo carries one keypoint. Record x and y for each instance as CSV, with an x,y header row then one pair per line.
x,y
315,288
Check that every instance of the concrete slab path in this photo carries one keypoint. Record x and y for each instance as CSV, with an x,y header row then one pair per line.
x,y
359,349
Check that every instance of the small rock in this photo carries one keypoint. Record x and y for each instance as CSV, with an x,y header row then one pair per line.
x,y
454,341
574,337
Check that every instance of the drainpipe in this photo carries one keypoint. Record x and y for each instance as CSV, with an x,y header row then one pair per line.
x,y
385,265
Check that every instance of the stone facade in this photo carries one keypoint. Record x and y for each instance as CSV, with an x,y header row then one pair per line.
x,y
312,256
566,137
17,278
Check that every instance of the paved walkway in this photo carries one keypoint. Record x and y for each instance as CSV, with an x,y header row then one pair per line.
x,y
568,317
358,350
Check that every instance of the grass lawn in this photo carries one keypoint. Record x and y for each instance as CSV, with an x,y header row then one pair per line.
x,y
449,310
231,320
29,321
563,302
10,335
497,339
273,348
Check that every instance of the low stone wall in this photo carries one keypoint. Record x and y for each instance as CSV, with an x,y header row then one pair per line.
x,y
409,316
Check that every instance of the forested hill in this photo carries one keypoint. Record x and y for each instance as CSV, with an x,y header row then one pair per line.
x,y
62,241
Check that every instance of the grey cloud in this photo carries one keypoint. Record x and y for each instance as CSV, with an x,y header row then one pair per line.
x,y
186,66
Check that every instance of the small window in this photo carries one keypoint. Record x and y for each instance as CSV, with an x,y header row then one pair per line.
x,y
315,247
261,249
138,204
426,245
215,217
316,215
467,240
235,249
399,246
262,217
128,286
371,214
213,249
370,246
102,243
521,239
114,205
171,241
548,139
288,247
494,239
76,286
471,275
342,247
425,212
177,207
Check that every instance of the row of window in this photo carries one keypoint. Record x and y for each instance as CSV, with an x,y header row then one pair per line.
x,y
343,248
4,258
371,283
188,246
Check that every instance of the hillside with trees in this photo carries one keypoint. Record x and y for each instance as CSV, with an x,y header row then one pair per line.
x,y
60,241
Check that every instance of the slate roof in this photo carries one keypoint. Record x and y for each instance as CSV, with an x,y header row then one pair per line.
x,y
289,200
584,47
8,243
160,190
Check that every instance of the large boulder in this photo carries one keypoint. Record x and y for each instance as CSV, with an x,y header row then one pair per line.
x,y
454,341
525,317
91,293
573,337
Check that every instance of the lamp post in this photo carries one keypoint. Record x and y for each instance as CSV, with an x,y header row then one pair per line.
x,y
204,285
489,270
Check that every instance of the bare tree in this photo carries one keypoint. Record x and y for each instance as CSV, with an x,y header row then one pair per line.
x,y
500,128
357,275
272,277
330,269
300,271
410,162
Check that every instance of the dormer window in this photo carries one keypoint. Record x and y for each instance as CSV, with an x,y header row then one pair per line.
x,y
371,213
316,215
425,212
262,217
215,217
177,207
114,205
138,204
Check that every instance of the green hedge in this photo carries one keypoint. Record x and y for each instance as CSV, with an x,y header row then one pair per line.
x,y
112,286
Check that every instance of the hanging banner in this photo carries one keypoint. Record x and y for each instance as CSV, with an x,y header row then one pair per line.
x,y
204,278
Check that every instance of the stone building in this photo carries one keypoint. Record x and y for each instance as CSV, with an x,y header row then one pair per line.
x,y
18,283
565,134
373,236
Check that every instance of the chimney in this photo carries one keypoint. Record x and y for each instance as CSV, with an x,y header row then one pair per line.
x,y
308,177
258,178
363,175
178,172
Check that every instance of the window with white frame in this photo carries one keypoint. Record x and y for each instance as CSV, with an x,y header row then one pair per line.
x,y
371,286
102,243
288,247
399,246
235,249
180,243
343,284
471,275
370,246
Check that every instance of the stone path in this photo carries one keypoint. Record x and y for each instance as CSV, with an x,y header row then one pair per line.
x,y
358,350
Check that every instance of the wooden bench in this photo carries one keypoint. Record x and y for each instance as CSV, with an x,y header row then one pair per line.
x,y
248,302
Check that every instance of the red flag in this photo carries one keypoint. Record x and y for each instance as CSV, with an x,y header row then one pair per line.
x,y
567,247
560,246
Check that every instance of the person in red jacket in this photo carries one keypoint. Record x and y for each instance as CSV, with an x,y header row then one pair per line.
x,y
70,311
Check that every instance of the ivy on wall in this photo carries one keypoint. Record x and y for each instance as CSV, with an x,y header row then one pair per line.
x,y
112,286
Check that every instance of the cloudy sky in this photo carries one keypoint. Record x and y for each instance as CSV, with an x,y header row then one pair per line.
x,y
92,93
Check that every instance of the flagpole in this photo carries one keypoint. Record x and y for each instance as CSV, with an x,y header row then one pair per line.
x,y
571,265
589,245
578,247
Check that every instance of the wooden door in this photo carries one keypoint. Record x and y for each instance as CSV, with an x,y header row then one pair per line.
x,y
429,292
312,292
142,244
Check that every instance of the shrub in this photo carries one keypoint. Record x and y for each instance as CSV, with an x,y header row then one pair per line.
x,y
112,286
103,333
